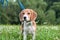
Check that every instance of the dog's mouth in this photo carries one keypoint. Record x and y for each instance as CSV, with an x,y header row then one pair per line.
x,y
26,20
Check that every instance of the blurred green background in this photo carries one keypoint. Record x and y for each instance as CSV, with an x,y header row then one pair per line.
x,y
48,19
48,11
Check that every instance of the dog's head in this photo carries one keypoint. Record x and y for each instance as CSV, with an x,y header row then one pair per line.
x,y
28,15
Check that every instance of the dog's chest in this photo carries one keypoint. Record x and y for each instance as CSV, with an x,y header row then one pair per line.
x,y
28,27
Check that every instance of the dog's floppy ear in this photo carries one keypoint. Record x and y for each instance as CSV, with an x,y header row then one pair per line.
x,y
33,15
21,16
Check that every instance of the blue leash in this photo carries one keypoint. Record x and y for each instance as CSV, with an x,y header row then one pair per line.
x,y
6,2
21,5
2,2
19,2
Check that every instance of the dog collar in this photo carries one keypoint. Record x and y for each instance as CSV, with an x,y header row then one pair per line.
x,y
28,23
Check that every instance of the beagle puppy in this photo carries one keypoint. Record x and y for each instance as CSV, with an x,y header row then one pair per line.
x,y
29,16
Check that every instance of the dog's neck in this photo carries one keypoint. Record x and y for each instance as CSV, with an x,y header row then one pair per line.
x,y
28,23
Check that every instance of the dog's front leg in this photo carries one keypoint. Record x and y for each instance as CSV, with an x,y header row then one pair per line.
x,y
33,36
24,36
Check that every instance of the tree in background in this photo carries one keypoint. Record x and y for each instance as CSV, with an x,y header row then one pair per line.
x,y
50,17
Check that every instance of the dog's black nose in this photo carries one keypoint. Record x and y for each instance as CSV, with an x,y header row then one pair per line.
x,y
24,18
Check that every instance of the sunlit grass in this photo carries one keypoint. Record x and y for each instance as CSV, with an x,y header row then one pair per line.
x,y
43,32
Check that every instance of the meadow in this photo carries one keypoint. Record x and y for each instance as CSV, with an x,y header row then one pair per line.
x,y
43,32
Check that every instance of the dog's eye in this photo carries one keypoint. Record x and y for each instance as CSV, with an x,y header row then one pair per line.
x,y
23,13
28,13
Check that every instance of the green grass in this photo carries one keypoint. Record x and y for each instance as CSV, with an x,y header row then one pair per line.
x,y
43,32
